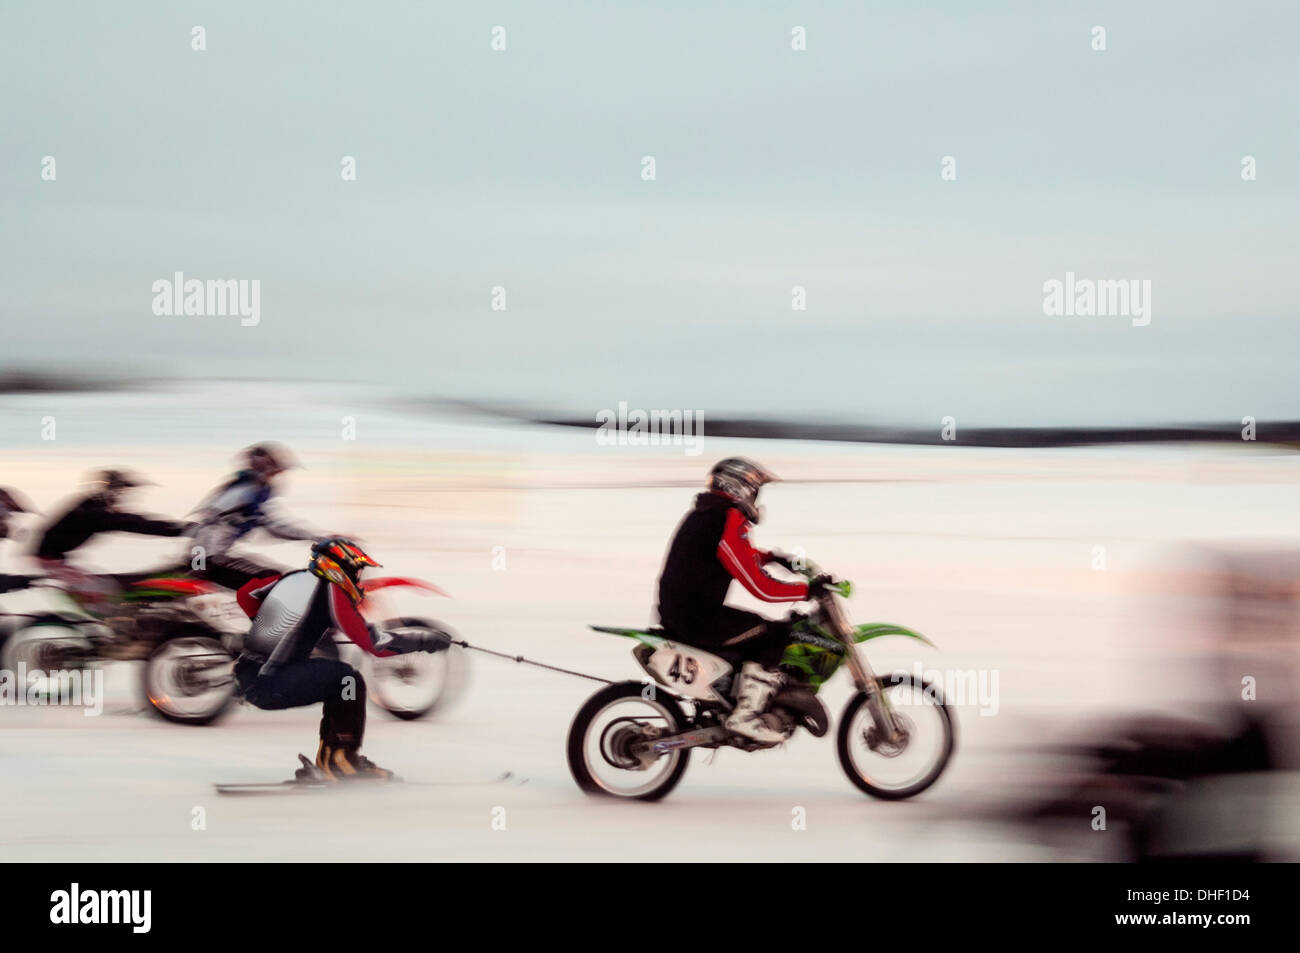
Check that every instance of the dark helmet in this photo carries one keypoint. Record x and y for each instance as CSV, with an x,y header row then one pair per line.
x,y
340,561
111,483
739,480
268,459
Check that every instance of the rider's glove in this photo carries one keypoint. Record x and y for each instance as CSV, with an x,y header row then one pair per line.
x,y
819,582
825,583
429,640
434,641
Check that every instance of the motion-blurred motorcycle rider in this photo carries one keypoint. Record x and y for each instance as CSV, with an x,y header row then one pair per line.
x,y
9,505
95,512
711,548
291,615
244,503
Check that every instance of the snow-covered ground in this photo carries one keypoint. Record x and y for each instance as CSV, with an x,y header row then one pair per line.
x,y
1054,570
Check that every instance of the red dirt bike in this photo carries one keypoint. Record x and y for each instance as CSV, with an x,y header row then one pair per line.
x,y
189,678
189,632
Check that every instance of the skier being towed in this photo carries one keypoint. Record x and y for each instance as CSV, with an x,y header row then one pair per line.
x,y
291,615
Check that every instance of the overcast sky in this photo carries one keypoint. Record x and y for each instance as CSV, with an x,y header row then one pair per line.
x,y
522,168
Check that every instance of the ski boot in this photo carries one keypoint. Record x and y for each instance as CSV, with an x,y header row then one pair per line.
x,y
346,763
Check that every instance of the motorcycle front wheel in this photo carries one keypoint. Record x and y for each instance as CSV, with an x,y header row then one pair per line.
x,y
907,766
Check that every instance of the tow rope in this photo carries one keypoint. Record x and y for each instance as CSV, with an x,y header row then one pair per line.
x,y
525,661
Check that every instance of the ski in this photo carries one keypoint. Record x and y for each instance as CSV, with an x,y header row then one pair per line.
x,y
310,779
294,786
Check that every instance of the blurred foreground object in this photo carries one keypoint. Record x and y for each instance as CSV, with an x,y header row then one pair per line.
x,y
1220,783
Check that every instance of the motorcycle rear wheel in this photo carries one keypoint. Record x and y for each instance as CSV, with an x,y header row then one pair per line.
x,y
593,750
45,646
185,681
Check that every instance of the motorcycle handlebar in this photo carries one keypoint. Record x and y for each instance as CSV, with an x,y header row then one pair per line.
x,y
821,583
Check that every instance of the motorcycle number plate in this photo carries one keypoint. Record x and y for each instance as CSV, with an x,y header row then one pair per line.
x,y
687,670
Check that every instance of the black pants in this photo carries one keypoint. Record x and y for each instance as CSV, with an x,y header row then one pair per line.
x,y
235,572
728,631
337,684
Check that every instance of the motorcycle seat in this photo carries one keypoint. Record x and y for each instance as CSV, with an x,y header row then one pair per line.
x,y
657,634
125,580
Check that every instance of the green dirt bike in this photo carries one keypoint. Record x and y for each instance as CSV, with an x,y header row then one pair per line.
x,y
633,739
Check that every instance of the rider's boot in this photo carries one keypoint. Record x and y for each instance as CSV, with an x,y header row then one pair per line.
x,y
758,686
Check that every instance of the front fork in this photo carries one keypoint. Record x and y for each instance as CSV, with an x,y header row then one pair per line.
x,y
882,713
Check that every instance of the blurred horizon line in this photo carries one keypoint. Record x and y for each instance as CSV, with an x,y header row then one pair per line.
x,y
822,428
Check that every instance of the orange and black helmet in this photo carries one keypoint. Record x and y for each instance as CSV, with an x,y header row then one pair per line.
x,y
340,561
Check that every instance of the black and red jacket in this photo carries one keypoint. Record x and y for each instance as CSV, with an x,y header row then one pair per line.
x,y
711,548
292,613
